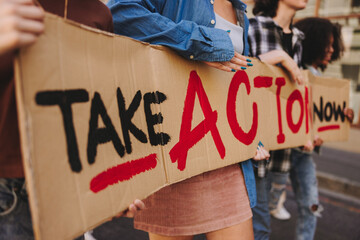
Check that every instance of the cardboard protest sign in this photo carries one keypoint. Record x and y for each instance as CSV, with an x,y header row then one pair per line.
x,y
330,97
105,119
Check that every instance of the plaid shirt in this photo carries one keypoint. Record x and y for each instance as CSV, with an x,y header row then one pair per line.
x,y
265,35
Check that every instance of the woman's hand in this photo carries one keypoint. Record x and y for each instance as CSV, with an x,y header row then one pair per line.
x,y
261,153
349,114
238,62
318,141
21,22
280,56
309,146
137,205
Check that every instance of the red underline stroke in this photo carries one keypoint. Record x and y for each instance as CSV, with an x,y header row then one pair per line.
x,y
329,127
122,172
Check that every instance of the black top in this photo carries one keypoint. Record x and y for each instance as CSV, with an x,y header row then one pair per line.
x,y
287,43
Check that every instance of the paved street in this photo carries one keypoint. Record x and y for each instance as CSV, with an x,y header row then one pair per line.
x,y
340,219
339,163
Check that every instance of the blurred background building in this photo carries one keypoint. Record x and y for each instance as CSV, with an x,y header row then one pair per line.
x,y
346,13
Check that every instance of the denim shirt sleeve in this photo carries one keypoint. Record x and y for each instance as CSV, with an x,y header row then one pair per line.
x,y
142,20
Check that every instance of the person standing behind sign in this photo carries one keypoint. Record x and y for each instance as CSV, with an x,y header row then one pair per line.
x,y
218,202
21,22
322,45
274,40
300,162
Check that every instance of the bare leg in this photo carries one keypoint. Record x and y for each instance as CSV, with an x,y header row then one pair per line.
x,y
242,231
153,236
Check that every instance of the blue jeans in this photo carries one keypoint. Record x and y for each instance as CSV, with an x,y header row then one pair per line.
x,y
277,182
15,218
261,215
304,184
268,191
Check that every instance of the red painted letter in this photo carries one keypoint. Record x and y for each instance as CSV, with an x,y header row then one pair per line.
x,y
262,82
246,138
188,137
295,96
279,83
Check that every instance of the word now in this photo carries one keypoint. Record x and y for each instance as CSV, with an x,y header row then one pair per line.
x,y
329,111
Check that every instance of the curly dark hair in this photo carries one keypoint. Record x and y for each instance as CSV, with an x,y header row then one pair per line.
x,y
265,7
318,32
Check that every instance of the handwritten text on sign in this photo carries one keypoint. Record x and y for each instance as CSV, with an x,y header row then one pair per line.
x,y
188,136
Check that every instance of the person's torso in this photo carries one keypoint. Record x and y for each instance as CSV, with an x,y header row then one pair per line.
x,y
265,35
200,12
236,32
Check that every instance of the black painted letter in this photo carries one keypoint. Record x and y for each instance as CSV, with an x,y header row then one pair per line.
x,y
339,112
126,116
64,99
317,112
328,112
152,119
101,135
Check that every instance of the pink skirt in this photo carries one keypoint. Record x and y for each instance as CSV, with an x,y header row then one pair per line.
x,y
201,204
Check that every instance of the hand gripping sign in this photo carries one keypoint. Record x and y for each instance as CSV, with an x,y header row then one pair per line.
x,y
105,119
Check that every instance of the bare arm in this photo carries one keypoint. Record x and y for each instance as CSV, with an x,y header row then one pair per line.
x,y
279,56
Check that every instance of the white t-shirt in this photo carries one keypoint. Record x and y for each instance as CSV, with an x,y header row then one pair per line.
x,y
236,32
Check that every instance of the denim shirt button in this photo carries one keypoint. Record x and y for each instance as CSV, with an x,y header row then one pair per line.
x,y
212,1
191,56
212,21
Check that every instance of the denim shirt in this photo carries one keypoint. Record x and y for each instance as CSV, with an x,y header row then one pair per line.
x,y
186,26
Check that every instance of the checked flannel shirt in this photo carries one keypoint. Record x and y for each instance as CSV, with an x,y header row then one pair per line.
x,y
264,36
